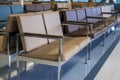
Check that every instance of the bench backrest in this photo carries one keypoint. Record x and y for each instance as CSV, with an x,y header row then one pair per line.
x,y
46,7
30,7
98,11
92,12
32,23
81,14
53,24
5,11
70,15
38,7
106,9
112,7
17,9
12,29
89,12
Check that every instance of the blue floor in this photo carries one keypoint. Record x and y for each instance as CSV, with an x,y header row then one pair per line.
x,y
75,69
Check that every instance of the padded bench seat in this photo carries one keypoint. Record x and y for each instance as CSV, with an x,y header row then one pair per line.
x,y
50,52
43,41
81,41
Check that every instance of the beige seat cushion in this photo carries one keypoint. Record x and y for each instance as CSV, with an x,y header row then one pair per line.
x,y
81,41
50,52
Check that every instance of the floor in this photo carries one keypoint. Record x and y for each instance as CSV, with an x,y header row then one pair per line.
x,y
111,68
75,69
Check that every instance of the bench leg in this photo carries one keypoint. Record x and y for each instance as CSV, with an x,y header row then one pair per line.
x,y
104,39
59,59
25,65
87,55
18,71
88,50
103,42
115,27
59,73
9,67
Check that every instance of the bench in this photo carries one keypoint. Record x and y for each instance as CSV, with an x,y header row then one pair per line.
x,y
17,9
49,46
6,10
37,7
8,41
93,24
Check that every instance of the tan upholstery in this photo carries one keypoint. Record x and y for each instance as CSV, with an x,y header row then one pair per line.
x,y
50,52
32,23
12,23
53,27
11,27
81,41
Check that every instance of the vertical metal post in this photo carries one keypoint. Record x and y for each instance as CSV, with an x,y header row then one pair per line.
x,y
88,49
18,71
104,39
17,51
9,57
91,30
59,59
104,33
115,27
86,56
9,67
88,31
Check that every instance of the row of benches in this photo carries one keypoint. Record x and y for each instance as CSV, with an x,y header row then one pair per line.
x,y
37,7
40,31
61,50
6,10
98,18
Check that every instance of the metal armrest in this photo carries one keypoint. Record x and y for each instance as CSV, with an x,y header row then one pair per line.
x,y
96,17
109,13
87,24
40,35
76,23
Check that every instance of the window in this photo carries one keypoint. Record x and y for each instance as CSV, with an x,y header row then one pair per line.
x,y
80,0
96,0
61,0
44,0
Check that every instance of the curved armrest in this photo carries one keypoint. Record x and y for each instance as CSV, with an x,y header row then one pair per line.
x,y
40,35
